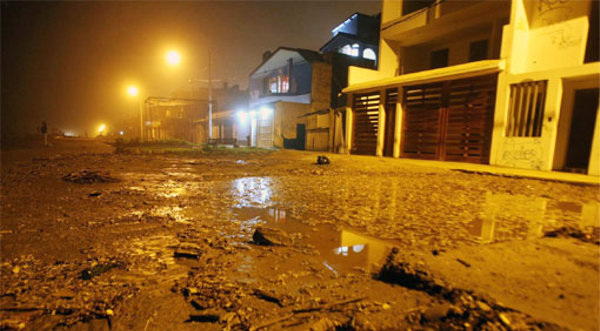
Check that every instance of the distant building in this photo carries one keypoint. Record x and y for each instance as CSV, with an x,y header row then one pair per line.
x,y
186,118
355,42
508,83
289,82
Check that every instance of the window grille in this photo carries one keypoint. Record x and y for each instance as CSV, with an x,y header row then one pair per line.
x,y
526,109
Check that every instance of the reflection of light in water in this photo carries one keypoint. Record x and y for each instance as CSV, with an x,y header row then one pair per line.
x,y
358,248
508,212
252,191
330,267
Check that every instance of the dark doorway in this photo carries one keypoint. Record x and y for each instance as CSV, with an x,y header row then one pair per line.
x,y
299,142
581,134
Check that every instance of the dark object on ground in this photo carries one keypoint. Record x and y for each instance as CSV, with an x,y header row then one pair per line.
x,y
574,232
187,253
271,237
97,270
88,177
322,159
211,315
94,194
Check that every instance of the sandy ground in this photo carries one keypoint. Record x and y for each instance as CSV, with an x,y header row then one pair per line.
x,y
369,243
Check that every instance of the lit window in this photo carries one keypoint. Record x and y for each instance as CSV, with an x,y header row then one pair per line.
x,y
526,109
369,54
279,84
347,49
355,50
350,50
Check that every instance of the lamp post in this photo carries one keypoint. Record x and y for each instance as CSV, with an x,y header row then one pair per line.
x,y
133,92
173,59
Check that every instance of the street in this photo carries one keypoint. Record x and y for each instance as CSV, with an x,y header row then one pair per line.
x,y
249,239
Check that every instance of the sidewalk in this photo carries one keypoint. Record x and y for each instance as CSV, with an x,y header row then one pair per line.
x,y
510,172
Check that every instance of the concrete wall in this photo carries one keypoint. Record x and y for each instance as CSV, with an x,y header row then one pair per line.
x,y
285,119
545,40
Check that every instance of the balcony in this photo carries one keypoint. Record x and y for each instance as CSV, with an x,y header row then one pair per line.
x,y
443,19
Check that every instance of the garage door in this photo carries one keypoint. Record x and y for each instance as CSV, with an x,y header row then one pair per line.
x,y
366,123
449,120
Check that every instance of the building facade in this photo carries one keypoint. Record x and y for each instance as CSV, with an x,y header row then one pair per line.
x,y
289,83
507,83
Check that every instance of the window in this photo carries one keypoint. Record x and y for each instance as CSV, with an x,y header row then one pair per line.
x,y
369,54
526,111
279,84
439,59
478,50
350,50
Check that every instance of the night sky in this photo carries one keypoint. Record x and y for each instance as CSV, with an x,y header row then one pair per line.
x,y
69,63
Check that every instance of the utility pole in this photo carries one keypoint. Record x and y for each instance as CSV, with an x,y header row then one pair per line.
x,y
210,103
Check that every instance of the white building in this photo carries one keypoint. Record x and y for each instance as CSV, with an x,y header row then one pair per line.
x,y
507,83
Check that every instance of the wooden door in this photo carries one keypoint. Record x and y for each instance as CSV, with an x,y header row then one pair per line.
x,y
451,120
365,124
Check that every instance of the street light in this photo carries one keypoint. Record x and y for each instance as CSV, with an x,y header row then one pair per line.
x,y
133,92
173,58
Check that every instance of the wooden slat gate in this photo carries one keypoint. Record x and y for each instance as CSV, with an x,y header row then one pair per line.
x,y
391,98
366,123
450,120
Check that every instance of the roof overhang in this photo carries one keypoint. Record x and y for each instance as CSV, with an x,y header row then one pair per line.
x,y
459,71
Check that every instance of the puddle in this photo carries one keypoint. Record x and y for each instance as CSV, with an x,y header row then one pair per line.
x,y
340,250
507,216
252,191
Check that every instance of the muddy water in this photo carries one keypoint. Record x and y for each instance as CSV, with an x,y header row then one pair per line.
x,y
508,216
340,250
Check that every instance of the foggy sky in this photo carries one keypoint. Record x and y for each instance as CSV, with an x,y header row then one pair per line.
x,y
69,63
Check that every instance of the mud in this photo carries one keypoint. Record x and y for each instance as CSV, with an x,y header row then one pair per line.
x,y
170,244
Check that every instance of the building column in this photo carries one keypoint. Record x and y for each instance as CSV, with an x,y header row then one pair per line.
x,y
381,124
349,126
398,125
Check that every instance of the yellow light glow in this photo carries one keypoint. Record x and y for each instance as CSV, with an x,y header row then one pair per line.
x,y
173,58
132,90
101,128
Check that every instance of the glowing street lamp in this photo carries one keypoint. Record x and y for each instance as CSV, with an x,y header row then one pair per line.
x,y
101,129
173,58
133,92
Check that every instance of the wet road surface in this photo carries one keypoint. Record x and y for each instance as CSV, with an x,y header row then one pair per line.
x,y
170,245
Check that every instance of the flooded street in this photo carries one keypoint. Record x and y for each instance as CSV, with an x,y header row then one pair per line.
x,y
364,243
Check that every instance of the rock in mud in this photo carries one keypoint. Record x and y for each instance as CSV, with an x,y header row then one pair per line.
x,y
97,270
436,312
410,275
266,236
88,177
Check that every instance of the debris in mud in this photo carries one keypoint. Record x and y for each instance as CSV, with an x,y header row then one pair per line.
x,y
97,270
94,194
34,299
188,251
211,315
458,309
322,160
574,232
267,236
88,177
271,296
